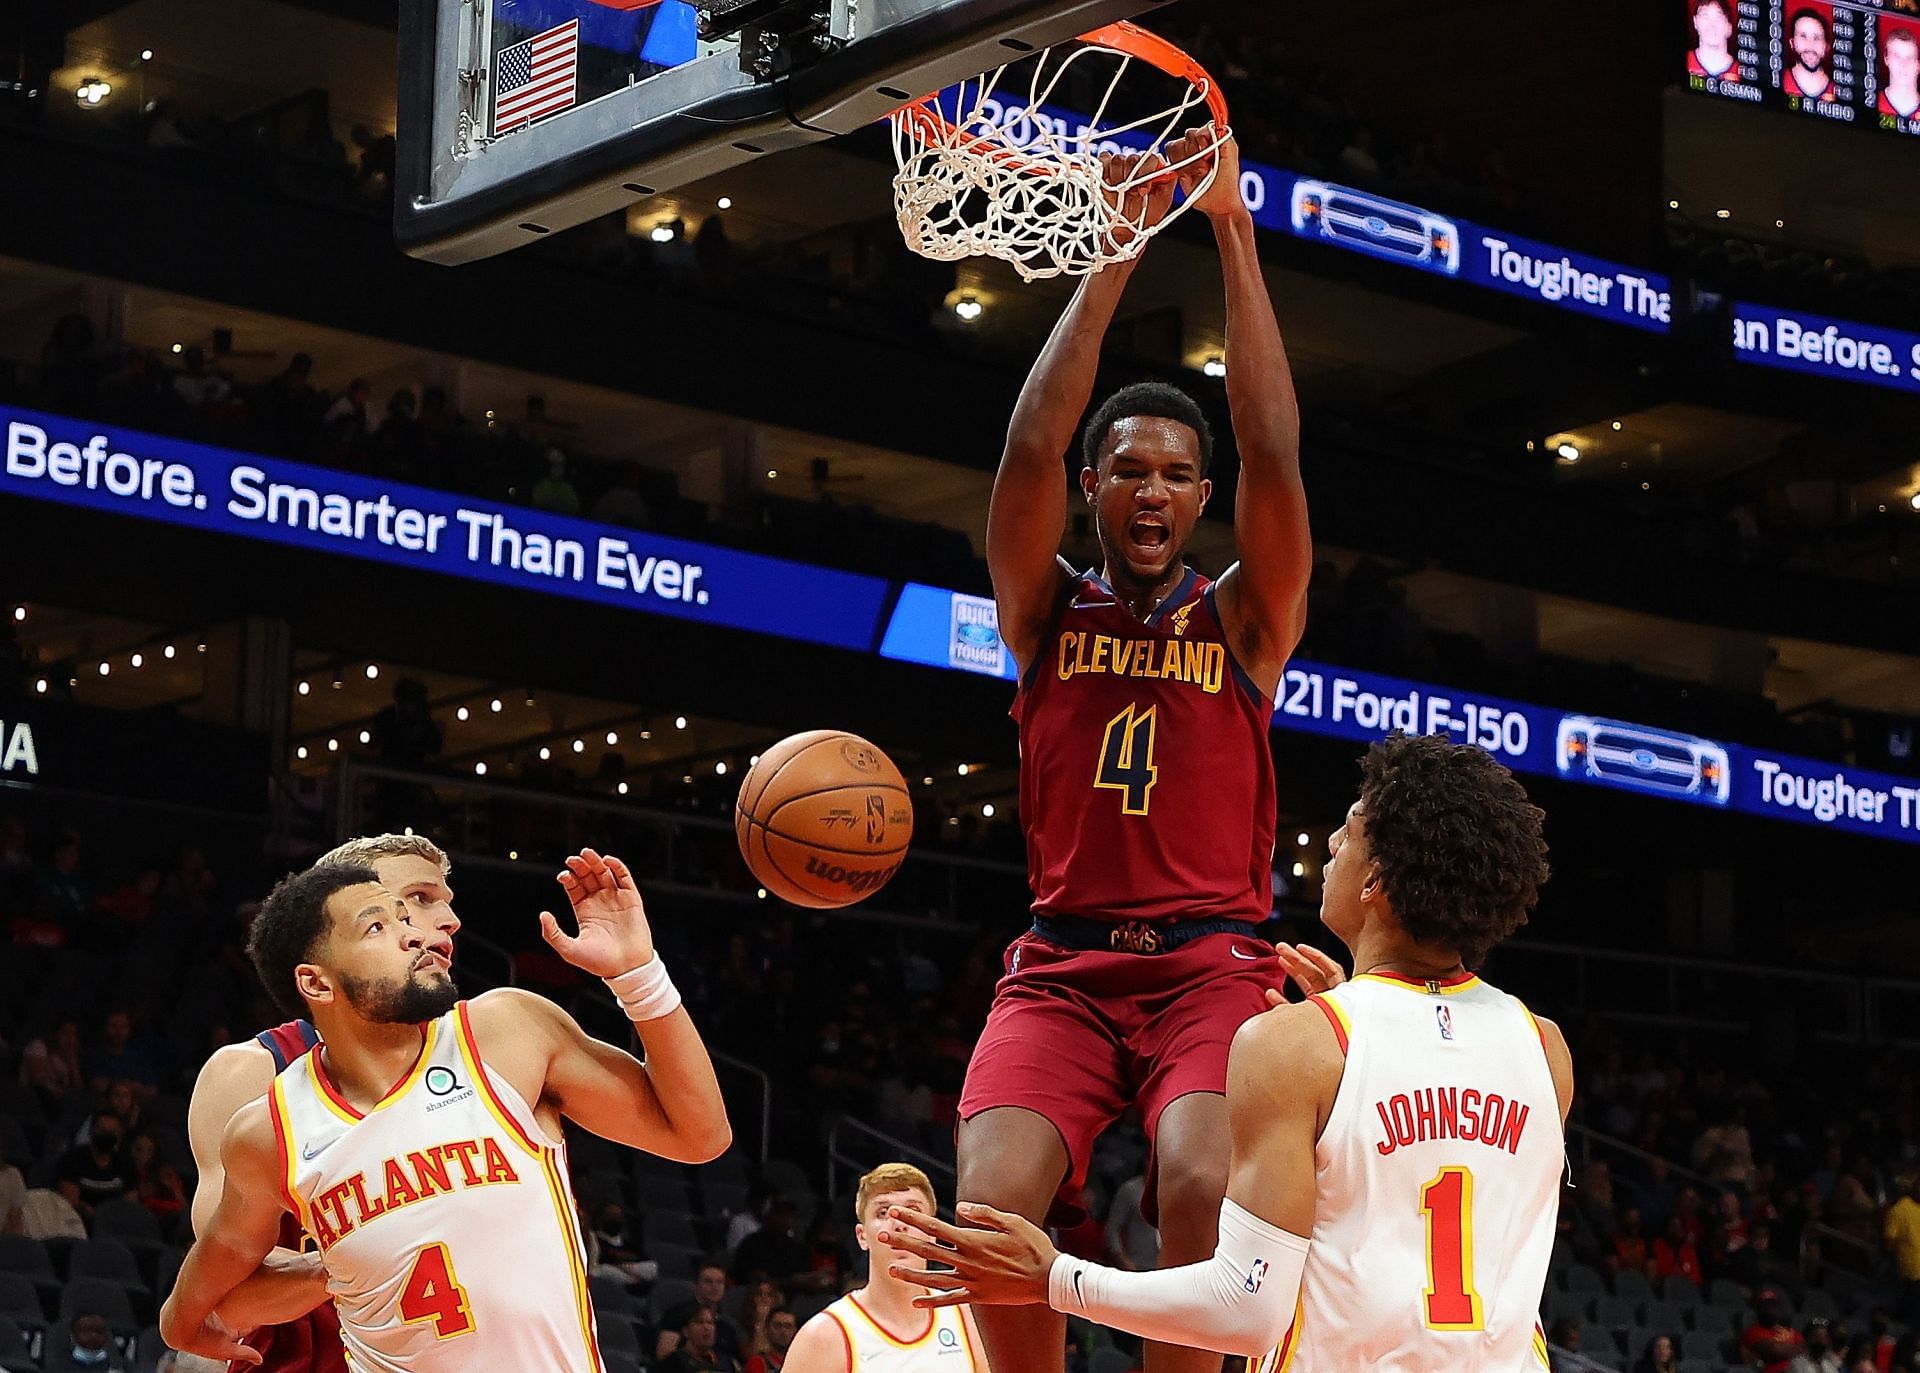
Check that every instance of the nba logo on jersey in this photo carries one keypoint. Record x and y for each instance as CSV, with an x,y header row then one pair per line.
x,y
974,642
1256,1275
1445,1019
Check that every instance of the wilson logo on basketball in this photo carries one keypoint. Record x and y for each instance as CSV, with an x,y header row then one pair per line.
x,y
853,879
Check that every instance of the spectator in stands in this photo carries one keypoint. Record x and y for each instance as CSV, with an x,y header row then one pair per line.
x,y
287,403
13,1196
156,1182
65,885
1769,1343
623,503
761,1303
709,1291
91,1348
554,493
1674,1253
349,420
1630,1244
50,1064
98,1170
198,388
1818,1355
749,1220
698,1349
1729,1236
119,1057
1660,1356
828,1256
1563,1338
615,1253
1853,1209
1901,1231
1724,1152
782,1326
774,1251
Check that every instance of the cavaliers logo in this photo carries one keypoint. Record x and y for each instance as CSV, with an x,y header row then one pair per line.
x,y
1180,618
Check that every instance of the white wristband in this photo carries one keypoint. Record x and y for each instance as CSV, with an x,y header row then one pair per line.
x,y
646,992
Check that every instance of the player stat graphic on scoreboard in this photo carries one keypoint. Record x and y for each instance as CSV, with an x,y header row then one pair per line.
x,y
1850,61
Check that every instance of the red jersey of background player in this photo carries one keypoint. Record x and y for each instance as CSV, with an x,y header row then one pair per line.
x,y
311,1344
1146,780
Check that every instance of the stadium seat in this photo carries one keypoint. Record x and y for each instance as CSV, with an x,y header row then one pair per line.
x,y
1680,1290
730,1168
610,1294
1818,1303
616,1362
166,1267
784,1177
1632,1286
669,1227
109,1260
15,1354
1726,1294
147,1350
19,1301
1585,1281
102,1298
1697,1366
807,1307
601,1186
662,1194
1701,1344
1110,1360
666,1294
127,1221
1659,1315
617,1332
722,1198
1612,1311
29,1259
676,1260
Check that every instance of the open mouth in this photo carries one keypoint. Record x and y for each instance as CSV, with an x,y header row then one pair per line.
x,y
1150,532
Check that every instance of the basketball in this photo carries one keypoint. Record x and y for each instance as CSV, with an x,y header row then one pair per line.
x,y
823,819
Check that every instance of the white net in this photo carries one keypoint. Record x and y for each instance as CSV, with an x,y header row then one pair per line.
x,y
986,173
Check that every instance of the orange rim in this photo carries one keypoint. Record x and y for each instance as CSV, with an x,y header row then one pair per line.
x,y
1124,37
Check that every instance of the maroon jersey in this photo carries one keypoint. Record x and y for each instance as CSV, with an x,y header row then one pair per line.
x,y
311,1344
1146,778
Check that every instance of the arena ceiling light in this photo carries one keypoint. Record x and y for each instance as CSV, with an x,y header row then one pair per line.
x,y
969,308
1214,367
1913,501
91,91
1568,453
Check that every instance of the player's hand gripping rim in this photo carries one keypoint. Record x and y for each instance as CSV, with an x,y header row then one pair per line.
x,y
997,1258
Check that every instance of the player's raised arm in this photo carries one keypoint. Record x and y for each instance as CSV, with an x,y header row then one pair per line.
x,y
1263,599
1029,509
669,1105
237,1239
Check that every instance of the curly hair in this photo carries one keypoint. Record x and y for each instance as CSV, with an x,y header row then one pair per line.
x,y
292,921
1456,841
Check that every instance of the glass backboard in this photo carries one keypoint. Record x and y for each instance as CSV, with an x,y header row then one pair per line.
x,y
520,118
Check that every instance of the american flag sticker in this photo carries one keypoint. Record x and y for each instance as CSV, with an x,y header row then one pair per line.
x,y
537,77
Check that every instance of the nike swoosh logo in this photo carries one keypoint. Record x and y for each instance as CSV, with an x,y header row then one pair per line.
x,y
1078,1299
309,1153
1250,957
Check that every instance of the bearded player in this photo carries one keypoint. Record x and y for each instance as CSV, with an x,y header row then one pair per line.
x,y
878,1329
1397,1139
419,1143
1146,781
284,1306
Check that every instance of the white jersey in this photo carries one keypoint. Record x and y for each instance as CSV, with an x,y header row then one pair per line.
x,y
1438,1186
943,1345
443,1215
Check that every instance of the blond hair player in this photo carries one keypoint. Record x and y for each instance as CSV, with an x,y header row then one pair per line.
x,y
878,1329
1397,1139
419,1144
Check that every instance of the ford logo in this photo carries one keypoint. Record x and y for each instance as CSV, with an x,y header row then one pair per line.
x,y
1376,226
980,636
1644,759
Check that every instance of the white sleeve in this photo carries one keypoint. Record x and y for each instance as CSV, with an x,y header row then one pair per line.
x,y
1240,1301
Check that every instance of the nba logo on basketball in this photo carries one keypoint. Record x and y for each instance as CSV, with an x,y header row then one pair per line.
x,y
974,643
1445,1017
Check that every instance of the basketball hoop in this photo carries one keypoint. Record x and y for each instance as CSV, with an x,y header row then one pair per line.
x,y
986,174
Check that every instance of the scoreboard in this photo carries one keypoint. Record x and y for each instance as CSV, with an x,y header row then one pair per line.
x,y
1849,61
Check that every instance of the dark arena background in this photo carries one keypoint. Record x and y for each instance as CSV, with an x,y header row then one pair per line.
x,y
1609,372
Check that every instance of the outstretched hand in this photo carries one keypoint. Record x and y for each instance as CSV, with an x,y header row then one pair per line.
x,y
614,934
1311,971
998,1259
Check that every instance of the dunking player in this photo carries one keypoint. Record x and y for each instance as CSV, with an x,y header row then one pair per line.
x,y
1408,1121
1146,780
419,1142
298,1330
877,1329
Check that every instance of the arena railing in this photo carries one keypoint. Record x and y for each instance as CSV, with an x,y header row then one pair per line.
x,y
854,1147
